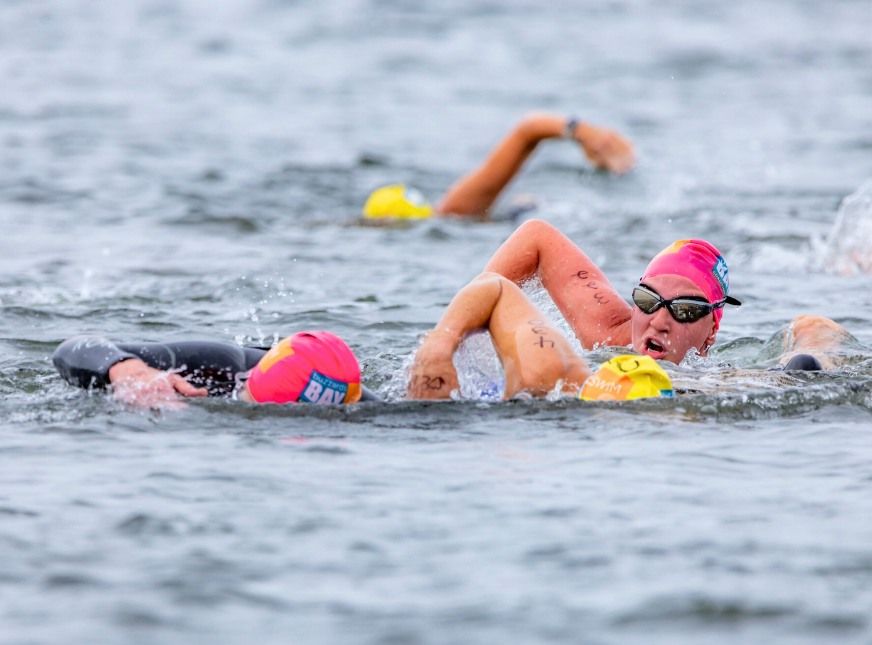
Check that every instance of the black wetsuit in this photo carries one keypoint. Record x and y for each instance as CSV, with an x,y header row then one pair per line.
x,y
85,361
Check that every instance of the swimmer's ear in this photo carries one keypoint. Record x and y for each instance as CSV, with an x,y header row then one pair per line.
x,y
708,342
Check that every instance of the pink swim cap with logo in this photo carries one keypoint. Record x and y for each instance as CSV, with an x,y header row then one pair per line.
x,y
701,263
308,367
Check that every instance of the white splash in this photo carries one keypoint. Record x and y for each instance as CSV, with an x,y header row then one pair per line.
x,y
847,249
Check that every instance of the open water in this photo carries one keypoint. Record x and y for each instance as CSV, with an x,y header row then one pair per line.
x,y
194,169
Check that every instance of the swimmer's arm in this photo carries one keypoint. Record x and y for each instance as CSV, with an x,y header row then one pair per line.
x,y
475,193
432,375
590,304
95,362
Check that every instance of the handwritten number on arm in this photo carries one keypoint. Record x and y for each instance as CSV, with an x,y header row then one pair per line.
x,y
599,297
539,328
432,382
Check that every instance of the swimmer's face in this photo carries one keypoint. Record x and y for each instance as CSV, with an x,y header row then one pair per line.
x,y
659,335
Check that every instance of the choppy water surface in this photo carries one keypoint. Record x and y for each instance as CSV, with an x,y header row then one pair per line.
x,y
194,169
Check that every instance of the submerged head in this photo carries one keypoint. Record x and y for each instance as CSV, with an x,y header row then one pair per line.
x,y
679,301
396,201
627,377
308,367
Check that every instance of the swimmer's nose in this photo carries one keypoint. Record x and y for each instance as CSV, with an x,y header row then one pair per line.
x,y
661,319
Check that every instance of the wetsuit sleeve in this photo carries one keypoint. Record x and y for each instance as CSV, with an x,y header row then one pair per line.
x,y
85,360
214,365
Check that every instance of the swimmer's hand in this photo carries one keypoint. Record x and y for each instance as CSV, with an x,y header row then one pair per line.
x,y
137,384
432,375
605,149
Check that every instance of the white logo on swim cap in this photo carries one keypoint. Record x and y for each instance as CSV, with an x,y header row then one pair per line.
x,y
323,389
722,273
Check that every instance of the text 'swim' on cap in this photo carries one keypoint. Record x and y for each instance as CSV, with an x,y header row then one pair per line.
x,y
627,377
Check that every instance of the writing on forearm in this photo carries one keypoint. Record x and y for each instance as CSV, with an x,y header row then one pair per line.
x,y
428,382
540,329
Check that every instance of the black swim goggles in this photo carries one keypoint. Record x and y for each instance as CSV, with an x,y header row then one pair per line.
x,y
684,309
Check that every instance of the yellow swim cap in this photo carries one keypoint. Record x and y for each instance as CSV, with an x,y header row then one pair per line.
x,y
627,377
396,201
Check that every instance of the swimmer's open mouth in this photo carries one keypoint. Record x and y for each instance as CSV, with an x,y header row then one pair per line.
x,y
654,346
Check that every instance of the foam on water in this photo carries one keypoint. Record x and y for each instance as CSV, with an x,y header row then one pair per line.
x,y
847,249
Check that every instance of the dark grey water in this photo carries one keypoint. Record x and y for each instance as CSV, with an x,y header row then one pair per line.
x,y
194,169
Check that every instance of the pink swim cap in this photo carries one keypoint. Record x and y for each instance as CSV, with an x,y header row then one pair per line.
x,y
701,263
311,367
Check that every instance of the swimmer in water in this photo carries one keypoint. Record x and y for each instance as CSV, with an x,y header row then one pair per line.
x,y
677,308
474,194
308,367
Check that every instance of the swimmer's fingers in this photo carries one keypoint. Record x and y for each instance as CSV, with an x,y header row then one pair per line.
x,y
155,394
186,389
135,376
607,149
137,384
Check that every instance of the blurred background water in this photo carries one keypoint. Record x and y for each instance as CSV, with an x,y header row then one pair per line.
x,y
193,169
